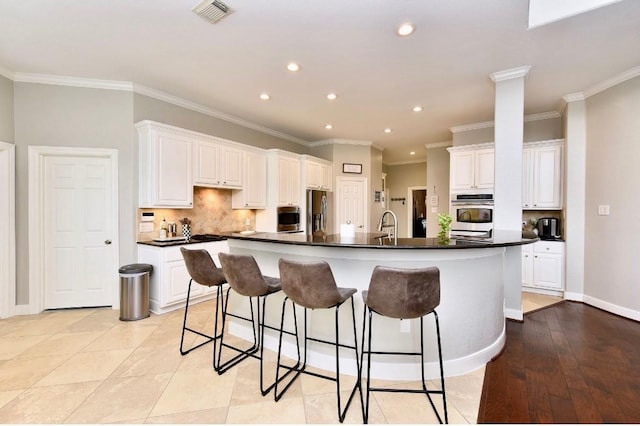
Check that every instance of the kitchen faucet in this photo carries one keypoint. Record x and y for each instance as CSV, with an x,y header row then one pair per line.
x,y
382,225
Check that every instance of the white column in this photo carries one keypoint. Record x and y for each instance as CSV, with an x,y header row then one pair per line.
x,y
576,163
509,130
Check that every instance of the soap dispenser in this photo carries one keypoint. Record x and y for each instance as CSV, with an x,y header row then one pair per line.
x,y
164,228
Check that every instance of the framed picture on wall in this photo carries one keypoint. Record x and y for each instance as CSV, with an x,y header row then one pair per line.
x,y
352,168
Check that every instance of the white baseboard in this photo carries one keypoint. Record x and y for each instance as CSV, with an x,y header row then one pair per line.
x,y
575,297
24,310
614,309
513,314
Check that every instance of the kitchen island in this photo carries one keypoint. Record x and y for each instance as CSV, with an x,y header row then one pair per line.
x,y
471,310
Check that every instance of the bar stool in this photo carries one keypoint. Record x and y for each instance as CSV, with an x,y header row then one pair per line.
x,y
311,285
403,294
244,277
203,271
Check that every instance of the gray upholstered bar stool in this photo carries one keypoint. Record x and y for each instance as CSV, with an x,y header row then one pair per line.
x,y
203,271
244,277
403,294
311,285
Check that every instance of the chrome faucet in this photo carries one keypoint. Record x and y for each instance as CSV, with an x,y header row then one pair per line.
x,y
382,225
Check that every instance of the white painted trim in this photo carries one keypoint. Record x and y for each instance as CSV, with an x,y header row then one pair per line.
x,y
510,74
576,297
37,155
61,80
7,73
442,144
8,232
513,314
613,81
487,124
402,163
410,208
573,97
613,308
340,142
541,116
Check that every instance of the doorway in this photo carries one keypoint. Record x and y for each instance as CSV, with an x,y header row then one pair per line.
x,y
7,230
73,222
351,203
417,212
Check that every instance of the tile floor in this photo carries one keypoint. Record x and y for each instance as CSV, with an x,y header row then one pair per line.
x,y
86,366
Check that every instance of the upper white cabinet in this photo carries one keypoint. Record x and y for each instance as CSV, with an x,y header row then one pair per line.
x,y
316,173
542,175
254,192
217,165
165,167
288,179
471,167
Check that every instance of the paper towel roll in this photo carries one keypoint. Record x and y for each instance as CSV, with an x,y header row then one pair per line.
x,y
347,230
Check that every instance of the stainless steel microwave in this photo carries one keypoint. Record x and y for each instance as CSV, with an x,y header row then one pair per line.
x,y
289,219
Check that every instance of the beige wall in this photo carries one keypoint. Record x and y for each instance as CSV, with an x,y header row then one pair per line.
x,y
6,110
437,184
399,179
73,117
375,208
538,130
613,154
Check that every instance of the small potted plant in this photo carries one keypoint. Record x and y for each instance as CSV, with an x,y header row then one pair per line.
x,y
444,222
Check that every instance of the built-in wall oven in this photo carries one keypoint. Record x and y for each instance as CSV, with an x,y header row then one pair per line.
x,y
289,219
472,215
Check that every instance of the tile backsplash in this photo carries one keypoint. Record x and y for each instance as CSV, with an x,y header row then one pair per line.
x,y
211,213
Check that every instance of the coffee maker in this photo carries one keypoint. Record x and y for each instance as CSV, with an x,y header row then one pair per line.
x,y
549,228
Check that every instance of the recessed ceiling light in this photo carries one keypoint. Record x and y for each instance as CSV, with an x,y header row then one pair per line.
x,y
417,108
412,153
265,96
405,29
332,96
292,66
328,126
387,130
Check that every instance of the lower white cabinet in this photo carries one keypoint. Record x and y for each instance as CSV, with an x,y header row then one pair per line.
x,y
543,265
169,281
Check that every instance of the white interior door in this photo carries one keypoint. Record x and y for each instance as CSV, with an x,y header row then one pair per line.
x,y
7,230
78,230
351,203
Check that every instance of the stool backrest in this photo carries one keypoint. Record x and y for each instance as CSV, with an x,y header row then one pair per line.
x,y
404,293
202,268
243,274
309,284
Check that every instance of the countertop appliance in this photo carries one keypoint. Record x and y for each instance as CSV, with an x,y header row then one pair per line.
x,y
472,215
289,219
549,228
318,212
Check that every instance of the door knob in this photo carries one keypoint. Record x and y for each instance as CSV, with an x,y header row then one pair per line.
x,y
361,226
107,242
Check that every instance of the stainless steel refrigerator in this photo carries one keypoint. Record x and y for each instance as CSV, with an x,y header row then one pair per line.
x,y
319,211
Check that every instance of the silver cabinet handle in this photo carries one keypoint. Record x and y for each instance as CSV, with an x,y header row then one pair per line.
x,y
107,242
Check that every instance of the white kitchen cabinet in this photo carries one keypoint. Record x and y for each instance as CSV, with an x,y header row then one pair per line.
x,y
165,167
471,167
316,173
217,164
542,175
253,195
543,266
288,179
169,280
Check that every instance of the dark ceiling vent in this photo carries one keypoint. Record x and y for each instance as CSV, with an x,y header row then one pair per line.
x,y
212,11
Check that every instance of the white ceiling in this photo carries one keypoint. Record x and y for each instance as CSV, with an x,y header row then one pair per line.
x,y
349,47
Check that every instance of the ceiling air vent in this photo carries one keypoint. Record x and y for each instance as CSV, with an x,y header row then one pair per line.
x,y
212,11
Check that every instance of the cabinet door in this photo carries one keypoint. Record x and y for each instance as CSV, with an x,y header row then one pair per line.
x,y
313,173
283,181
547,270
527,178
177,276
527,266
206,164
484,175
255,187
547,178
231,167
173,174
462,170
326,173
294,182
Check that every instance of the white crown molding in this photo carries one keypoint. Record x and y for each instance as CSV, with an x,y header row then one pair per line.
x,y
442,144
175,100
613,81
402,163
6,73
343,142
573,97
473,126
542,116
58,80
510,74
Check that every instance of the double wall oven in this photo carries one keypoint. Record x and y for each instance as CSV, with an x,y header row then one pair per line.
x,y
472,215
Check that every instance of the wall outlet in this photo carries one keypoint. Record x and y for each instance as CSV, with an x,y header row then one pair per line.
x,y
247,221
603,210
146,227
405,326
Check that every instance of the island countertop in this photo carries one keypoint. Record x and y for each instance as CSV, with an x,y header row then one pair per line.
x,y
380,241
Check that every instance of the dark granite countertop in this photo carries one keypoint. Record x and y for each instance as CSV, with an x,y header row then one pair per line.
x,y
214,237
373,240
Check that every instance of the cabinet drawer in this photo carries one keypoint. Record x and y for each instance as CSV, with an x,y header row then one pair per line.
x,y
556,247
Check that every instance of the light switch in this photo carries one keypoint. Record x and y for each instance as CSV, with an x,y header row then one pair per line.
x,y
434,210
146,227
603,210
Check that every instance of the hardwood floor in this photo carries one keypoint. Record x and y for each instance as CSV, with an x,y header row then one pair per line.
x,y
569,363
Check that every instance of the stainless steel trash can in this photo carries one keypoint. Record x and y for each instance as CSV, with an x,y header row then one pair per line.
x,y
134,291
